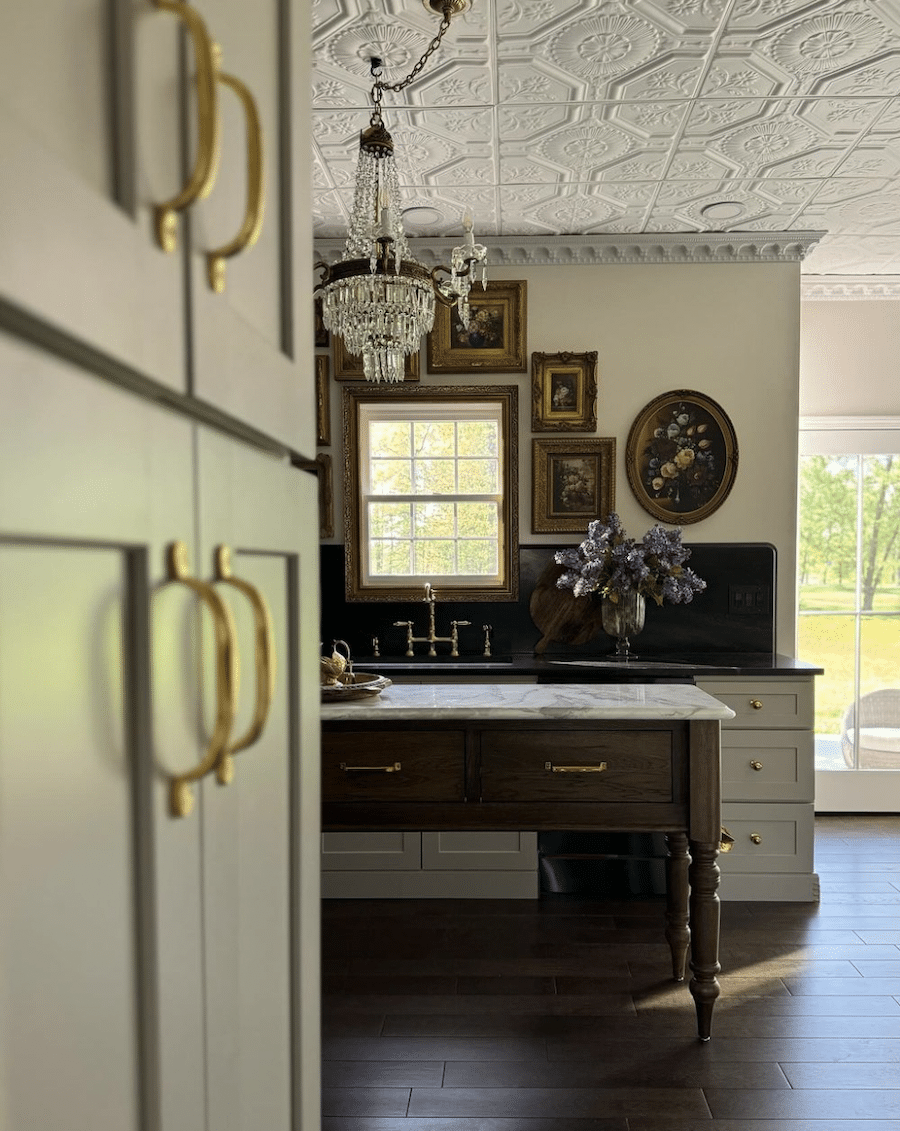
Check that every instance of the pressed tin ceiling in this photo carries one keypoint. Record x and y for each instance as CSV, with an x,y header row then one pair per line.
x,y
584,118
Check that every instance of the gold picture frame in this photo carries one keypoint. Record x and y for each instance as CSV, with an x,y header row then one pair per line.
x,y
354,397
349,366
564,392
494,340
681,456
323,401
326,495
573,482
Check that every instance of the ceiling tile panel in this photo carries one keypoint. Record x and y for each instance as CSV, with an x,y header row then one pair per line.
x,y
618,116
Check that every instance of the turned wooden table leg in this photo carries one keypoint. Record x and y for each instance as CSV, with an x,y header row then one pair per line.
x,y
677,934
704,910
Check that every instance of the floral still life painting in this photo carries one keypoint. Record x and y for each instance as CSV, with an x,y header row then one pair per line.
x,y
681,456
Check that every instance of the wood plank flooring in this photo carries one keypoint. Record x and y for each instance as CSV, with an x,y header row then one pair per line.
x,y
560,1015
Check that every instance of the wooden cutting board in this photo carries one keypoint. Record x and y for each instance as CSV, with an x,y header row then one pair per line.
x,y
562,617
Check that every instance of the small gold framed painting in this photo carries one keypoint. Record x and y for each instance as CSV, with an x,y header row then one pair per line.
x,y
564,392
573,482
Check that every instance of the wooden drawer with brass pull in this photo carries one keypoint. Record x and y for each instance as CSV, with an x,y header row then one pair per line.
x,y
546,766
771,703
393,766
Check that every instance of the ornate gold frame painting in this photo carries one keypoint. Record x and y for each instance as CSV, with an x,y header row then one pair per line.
x,y
681,456
573,482
494,339
349,367
323,401
564,392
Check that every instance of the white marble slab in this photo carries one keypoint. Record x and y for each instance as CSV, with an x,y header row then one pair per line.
x,y
532,701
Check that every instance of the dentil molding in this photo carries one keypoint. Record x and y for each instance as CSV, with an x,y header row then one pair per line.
x,y
655,248
817,288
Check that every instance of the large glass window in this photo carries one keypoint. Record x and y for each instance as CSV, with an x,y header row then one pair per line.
x,y
428,493
849,605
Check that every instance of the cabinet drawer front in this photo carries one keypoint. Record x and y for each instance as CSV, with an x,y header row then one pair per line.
x,y
517,766
361,766
767,765
764,702
785,838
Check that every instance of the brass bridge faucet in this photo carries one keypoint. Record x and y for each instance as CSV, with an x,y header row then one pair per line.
x,y
431,639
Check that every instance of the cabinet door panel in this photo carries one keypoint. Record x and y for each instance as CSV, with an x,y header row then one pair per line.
x,y
371,851
78,252
253,350
68,932
93,485
261,882
478,850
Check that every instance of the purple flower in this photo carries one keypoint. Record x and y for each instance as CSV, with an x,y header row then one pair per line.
x,y
607,562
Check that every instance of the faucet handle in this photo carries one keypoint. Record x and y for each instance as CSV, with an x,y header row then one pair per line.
x,y
458,623
402,624
487,629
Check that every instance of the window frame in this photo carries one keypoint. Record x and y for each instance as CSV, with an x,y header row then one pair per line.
x,y
356,586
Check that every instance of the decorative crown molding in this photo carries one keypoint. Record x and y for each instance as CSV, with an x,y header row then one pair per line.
x,y
818,288
654,248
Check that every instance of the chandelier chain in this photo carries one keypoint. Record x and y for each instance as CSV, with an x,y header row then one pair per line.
x,y
378,86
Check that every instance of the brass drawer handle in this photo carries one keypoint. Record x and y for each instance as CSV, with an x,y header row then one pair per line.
x,y
756,704
598,769
370,769
251,225
206,163
756,765
726,840
756,838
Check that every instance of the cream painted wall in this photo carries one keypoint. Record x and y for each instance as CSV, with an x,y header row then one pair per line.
x,y
849,354
730,331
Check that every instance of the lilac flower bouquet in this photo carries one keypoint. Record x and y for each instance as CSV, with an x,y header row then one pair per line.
x,y
610,564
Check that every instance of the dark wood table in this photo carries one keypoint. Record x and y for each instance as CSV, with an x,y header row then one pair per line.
x,y
546,758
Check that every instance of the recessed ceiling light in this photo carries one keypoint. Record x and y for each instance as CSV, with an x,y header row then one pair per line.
x,y
420,216
722,210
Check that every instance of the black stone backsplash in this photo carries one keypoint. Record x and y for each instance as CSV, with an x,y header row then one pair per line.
x,y
734,614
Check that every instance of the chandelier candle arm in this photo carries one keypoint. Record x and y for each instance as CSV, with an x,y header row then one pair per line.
x,y
378,297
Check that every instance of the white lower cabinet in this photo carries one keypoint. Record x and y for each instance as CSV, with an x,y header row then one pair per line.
x,y
429,865
768,787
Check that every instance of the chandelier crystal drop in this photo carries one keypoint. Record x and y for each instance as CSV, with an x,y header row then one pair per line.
x,y
379,297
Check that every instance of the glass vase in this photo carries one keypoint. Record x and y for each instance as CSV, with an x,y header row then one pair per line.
x,y
623,619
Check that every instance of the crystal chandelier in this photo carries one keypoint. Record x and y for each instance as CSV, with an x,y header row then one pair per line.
x,y
378,297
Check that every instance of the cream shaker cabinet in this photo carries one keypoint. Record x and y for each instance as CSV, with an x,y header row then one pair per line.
x,y
100,126
159,972
768,787
429,865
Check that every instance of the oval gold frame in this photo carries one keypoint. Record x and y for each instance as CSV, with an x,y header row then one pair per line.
x,y
644,444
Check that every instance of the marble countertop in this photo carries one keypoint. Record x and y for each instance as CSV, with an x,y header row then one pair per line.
x,y
531,701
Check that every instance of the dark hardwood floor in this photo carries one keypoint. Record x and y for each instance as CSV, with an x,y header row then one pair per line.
x,y
560,1015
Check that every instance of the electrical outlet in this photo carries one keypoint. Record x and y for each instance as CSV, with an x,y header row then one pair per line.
x,y
749,600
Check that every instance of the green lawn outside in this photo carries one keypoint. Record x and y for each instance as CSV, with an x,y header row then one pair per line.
x,y
829,643
842,598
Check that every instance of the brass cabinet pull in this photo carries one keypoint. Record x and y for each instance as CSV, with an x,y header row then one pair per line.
x,y
206,162
180,793
370,769
756,704
265,663
248,233
756,838
598,769
754,765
